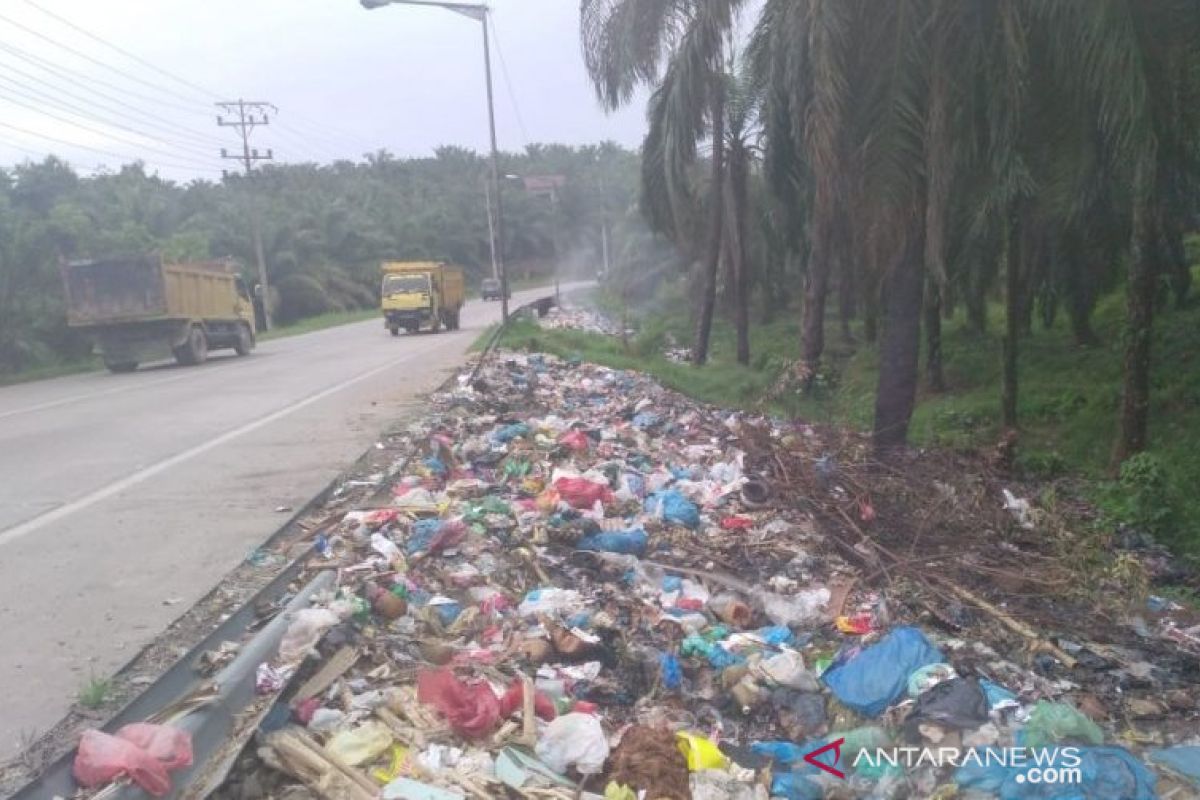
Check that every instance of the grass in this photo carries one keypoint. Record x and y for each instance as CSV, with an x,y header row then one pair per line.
x,y
318,323
1068,397
47,371
96,692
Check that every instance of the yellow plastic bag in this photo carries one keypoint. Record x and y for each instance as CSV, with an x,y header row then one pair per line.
x,y
361,744
619,791
701,753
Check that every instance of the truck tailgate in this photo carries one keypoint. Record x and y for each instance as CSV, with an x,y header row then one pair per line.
x,y
114,290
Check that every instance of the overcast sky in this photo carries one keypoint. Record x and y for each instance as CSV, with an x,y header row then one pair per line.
x,y
345,80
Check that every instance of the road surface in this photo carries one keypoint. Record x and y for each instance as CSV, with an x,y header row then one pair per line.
x,y
125,498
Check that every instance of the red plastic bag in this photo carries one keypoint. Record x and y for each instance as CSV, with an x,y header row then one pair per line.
x,y
514,698
576,440
448,535
737,523
582,493
472,710
146,753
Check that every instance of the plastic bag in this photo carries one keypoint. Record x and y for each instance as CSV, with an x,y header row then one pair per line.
x,y
144,752
307,627
1107,773
1184,759
359,745
575,440
512,701
672,507
1052,723
956,704
550,601
929,676
574,740
581,492
871,679
472,710
802,609
632,541
795,787
433,535
701,753
507,433
786,669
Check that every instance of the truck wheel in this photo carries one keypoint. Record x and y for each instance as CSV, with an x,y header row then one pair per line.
x,y
194,350
395,329
437,324
121,366
453,322
245,341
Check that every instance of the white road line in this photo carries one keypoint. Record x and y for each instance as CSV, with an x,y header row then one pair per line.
x,y
36,523
62,401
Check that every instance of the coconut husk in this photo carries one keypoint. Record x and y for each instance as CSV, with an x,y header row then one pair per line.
x,y
647,759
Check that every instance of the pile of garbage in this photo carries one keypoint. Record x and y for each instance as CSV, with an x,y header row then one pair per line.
x,y
567,316
585,585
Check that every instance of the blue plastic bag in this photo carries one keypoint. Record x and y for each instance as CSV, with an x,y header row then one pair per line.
x,y
877,676
672,672
423,531
1105,773
632,542
509,432
674,508
796,787
1184,759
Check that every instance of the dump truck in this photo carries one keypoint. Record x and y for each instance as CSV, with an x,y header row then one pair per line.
x,y
140,309
421,294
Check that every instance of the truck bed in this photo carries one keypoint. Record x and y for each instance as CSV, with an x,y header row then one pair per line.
x,y
113,291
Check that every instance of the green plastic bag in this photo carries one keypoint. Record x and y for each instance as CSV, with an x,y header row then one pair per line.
x,y
1052,723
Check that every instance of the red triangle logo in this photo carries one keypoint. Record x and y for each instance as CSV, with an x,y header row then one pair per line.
x,y
836,747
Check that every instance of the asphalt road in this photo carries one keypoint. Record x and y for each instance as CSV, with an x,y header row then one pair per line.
x,y
126,498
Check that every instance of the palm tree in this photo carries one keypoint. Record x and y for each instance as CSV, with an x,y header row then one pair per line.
x,y
678,47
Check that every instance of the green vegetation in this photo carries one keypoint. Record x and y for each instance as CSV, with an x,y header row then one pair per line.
x,y
325,230
96,692
1067,400
319,322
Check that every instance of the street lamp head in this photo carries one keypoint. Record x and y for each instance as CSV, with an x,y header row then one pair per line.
x,y
370,4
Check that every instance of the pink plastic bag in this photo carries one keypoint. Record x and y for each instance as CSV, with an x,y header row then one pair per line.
x,y
146,753
576,440
514,699
582,493
473,710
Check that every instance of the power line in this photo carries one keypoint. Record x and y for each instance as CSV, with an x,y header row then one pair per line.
x,y
75,75
146,118
37,96
86,56
512,97
101,151
209,93
104,133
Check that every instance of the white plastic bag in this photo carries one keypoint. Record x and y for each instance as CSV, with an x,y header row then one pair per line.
x,y
574,739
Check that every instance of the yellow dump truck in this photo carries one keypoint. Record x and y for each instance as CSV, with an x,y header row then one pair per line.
x,y
140,309
421,294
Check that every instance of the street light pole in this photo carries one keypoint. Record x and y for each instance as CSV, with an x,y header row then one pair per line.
x,y
478,12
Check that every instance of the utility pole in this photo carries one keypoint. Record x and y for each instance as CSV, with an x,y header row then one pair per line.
x,y
246,115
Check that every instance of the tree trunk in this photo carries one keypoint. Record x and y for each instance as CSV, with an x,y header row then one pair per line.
x,y
712,260
1081,298
738,200
934,374
871,315
846,297
815,291
1179,273
976,303
1012,322
1139,324
896,391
